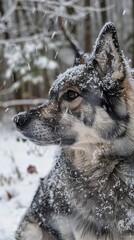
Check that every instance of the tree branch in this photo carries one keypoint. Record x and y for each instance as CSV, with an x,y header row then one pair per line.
x,y
21,102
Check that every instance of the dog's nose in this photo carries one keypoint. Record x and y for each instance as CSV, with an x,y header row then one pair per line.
x,y
21,119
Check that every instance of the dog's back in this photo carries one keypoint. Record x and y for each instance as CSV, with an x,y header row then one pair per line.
x,y
89,194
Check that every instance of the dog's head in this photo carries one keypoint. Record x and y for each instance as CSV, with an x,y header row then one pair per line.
x,y
91,102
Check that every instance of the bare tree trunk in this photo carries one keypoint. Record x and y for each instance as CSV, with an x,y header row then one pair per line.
x,y
46,82
88,34
18,92
103,13
133,34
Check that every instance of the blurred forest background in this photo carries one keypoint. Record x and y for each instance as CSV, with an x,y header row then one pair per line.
x,y
33,49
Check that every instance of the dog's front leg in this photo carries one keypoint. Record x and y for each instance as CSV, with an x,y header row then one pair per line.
x,y
32,231
29,231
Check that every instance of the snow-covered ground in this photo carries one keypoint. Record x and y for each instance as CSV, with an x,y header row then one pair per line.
x,y
17,183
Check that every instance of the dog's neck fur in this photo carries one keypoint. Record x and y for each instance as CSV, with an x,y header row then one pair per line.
x,y
104,167
88,155
101,162
109,181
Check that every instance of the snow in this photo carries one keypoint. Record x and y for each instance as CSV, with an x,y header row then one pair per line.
x,y
17,185
124,12
43,62
35,80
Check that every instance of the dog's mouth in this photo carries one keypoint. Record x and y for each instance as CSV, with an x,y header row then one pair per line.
x,y
39,141
45,141
35,138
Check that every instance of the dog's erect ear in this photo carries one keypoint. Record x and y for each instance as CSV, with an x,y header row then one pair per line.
x,y
107,54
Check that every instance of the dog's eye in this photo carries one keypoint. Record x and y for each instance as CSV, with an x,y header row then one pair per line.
x,y
70,95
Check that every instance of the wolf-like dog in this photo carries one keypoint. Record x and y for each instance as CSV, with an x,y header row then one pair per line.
x,y
89,193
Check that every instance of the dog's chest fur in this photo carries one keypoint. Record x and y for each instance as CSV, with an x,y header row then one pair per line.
x,y
95,204
69,230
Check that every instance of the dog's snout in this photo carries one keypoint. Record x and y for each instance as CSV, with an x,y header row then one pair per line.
x,y
21,119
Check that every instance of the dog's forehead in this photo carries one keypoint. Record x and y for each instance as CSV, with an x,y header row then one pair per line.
x,y
80,76
70,77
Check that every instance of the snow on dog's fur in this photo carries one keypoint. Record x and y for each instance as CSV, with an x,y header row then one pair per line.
x,y
89,194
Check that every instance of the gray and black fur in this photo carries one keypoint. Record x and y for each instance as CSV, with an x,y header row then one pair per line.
x,y
89,193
